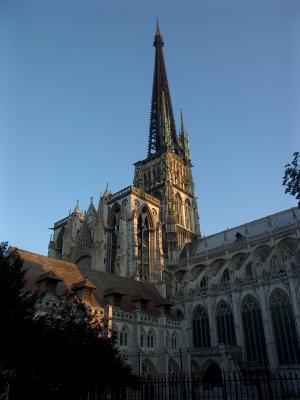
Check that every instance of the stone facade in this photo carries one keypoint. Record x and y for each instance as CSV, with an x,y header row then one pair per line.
x,y
179,301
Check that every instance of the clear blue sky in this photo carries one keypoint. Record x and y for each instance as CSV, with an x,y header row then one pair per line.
x,y
76,77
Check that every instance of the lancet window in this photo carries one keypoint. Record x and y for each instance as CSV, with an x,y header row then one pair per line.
x,y
225,324
113,239
188,214
200,323
124,337
255,344
284,328
143,236
178,209
150,339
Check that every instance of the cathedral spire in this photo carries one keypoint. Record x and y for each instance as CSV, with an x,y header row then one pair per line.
x,y
161,107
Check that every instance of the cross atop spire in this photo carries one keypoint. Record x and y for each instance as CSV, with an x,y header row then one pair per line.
x,y
162,134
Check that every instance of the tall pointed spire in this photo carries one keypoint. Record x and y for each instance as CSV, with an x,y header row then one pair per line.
x,y
161,107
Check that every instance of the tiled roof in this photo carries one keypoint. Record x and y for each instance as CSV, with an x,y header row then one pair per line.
x,y
70,274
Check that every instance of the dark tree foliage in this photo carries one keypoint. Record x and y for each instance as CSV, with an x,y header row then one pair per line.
x,y
80,356
291,178
16,315
58,352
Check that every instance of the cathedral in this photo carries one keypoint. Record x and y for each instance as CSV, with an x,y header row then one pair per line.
x,y
177,301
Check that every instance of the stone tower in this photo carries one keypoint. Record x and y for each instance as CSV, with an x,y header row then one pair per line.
x,y
166,173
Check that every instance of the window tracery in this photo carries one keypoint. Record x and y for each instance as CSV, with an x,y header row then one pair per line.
x,y
284,328
255,344
225,324
143,236
200,325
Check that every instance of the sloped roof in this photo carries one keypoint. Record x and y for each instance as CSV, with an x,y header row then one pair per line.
x,y
71,274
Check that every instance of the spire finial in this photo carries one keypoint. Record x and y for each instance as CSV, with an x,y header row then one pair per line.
x,y
91,198
157,27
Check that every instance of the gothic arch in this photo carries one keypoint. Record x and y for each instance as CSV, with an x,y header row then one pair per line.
x,y
179,209
145,237
225,324
200,327
113,241
148,368
254,336
196,271
59,242
188,215
212,373
124,336
284,328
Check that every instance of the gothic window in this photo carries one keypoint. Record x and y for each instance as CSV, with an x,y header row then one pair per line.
x,y
142,338
225,324
168,340
174,341
150,339
284,328
59,242
188,214
113,239
255,344
200,323
124,337
148,369
178,209
143,232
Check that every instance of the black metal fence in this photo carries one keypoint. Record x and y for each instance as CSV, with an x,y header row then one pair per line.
x,y
241,385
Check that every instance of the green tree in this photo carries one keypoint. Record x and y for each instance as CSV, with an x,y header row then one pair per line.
x,y
291,178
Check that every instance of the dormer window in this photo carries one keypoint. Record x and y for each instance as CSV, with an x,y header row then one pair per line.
x,y
47,283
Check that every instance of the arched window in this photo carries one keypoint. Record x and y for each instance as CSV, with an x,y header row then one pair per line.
x,y
143,234
124,337
142,338
201,335
173,369
178,209
150,339
148,368
113,239
174,341
255,343
59,242
225,324
284,327
188,214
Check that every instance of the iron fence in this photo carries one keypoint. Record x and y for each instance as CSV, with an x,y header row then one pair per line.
x,y
236,385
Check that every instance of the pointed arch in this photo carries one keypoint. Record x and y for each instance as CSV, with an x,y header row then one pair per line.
x,y
200,326
151,339
142,338
59,242
188,214
179,209
124,337
255,343
148,368
225,324
284,328
113,241
145,238
173,367
174,341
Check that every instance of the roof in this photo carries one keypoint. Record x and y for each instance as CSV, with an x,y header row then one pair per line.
x,y
71,274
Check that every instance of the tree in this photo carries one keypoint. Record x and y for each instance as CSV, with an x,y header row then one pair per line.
x,y
291,178
16,315
64,352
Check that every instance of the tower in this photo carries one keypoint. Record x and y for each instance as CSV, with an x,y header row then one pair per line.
x,y
166,173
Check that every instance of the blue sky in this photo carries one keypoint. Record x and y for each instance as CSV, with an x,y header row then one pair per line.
x,y
76,77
